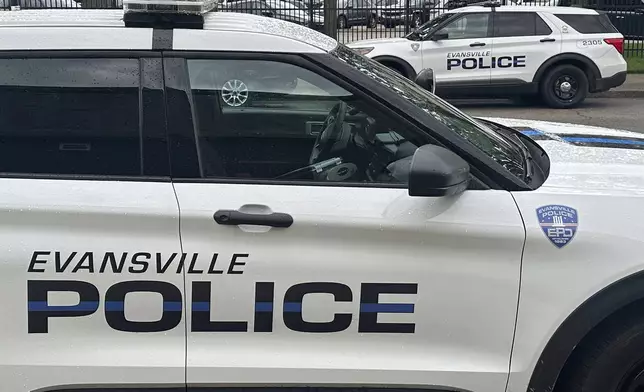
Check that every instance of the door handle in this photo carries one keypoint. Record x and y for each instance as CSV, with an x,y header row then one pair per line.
x,y
547,40
235,218
474,44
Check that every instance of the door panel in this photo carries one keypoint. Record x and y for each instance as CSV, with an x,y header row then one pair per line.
x,y
82,230
523,41
463,57
455,260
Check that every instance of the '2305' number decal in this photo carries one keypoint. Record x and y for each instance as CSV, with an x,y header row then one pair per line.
x,y
591,42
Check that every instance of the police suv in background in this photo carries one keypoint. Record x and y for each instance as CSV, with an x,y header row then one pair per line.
x,y
557,54
224,201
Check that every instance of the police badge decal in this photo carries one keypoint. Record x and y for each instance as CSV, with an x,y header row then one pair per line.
x,y
559,223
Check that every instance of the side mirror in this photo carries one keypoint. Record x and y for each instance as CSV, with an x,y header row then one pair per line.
x,y
437,171
439,36
427,80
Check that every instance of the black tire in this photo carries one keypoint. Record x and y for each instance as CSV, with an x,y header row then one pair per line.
x,y
397,69
556,81
389,25
372,23
611,361
342,22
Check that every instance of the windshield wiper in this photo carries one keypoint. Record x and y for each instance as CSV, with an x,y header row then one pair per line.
x,y
512,136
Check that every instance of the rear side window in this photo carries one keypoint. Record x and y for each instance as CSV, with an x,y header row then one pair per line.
x,y
70,116
589,24
519,24
542,27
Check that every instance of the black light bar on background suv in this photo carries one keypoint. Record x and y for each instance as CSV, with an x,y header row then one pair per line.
x,y
166,14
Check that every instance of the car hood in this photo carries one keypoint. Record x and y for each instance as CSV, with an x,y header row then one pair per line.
x,y
586,158
377,42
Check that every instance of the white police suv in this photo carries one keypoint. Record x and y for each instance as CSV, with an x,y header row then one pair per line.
x,y
557,54
221,202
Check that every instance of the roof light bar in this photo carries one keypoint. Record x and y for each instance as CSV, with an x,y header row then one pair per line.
x,y
192,7
166,13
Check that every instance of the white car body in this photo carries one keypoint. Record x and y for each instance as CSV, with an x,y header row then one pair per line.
x,y
476,286
473,66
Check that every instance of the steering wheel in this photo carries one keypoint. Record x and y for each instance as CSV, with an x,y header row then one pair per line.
x,y
331,131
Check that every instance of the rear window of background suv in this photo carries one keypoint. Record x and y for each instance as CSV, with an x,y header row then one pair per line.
x,y
589,24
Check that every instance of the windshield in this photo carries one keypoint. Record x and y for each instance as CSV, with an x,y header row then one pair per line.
x,y
481,136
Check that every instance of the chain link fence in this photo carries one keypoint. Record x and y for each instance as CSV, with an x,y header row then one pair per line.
x,y
354,20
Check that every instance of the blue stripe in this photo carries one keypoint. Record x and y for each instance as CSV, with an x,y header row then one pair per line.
x,y
587,139
602,140
172,306
264,307
42,306
119,306
201,306
387,308
531,132
293,307
114,306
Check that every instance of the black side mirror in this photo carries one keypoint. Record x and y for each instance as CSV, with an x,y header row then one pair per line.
x,y
439,36
427,80
437,171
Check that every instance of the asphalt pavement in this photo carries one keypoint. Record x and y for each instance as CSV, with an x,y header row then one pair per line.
x,y
618,113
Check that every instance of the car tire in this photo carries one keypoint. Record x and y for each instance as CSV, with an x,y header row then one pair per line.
x,y
564,86
392,66
372,23
610,360
342,22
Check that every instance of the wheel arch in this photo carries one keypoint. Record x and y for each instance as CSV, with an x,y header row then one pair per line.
x,y
404,65
589,315
579,60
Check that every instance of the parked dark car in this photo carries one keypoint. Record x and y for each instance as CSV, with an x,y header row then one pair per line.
x,y
412,12
357,12
257,7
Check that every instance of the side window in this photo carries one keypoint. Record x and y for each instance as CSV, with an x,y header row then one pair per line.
x,y
542,27
269,120
70,116
515,24
467,27
588,24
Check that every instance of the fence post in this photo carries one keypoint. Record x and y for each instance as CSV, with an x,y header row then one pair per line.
x,y
407,17
331,18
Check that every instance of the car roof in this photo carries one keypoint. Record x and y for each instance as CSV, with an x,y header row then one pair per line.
x,y
105,30
528,8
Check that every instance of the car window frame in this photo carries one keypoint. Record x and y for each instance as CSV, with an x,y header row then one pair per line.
x,y
182,133
152,119
498,14
490,25
177,75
